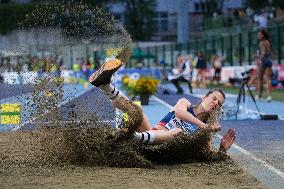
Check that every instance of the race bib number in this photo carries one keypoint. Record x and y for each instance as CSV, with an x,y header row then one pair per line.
x,y
178,123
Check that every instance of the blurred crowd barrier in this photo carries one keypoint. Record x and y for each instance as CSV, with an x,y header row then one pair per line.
x,y
81,77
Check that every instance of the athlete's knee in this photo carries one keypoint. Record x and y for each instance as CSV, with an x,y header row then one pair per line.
x,y
135,116
135,113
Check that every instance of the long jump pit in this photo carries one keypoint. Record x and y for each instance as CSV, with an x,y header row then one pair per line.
x,y
73,156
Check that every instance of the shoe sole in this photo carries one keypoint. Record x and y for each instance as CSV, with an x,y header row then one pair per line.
x,y
102,76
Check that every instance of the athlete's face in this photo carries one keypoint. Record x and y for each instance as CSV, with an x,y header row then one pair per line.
x,y
260,35
212,101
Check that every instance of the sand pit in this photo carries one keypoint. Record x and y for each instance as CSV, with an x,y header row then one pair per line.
x,y
86,157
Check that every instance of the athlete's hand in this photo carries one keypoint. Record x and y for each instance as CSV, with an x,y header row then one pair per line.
x,y
227,140
215,127
202,125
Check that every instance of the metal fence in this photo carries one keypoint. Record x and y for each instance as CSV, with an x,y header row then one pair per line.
x,y
238,49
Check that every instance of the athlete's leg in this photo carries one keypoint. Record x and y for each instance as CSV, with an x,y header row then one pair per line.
x,y
145,125
156,136
162,136
267,79
260,81
120,101
102,78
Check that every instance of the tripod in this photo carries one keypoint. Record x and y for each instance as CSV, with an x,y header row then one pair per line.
x,y
244,83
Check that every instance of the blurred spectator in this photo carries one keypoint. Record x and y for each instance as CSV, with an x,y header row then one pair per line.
x,y
1,79
217,65
261,20
280,12
201,67
181,72
76,70
164,72
249,12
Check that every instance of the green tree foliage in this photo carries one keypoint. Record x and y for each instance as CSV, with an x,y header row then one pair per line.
x,y
256,4
211,7
138,14
12,14
5,1
139,18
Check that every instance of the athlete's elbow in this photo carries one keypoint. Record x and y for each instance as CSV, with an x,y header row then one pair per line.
x,y
182,100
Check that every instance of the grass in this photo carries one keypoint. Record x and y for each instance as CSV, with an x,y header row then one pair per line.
x,y
276,94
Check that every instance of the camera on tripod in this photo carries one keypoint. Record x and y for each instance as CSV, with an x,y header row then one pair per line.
x,y
241,95
247,72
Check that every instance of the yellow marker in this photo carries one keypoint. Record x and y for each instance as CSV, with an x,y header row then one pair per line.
x,y
10,114
125,117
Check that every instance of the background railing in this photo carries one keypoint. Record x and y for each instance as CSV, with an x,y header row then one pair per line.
x,y
237,48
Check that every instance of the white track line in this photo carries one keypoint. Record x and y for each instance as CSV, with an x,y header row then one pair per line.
x,y
266,165
59,105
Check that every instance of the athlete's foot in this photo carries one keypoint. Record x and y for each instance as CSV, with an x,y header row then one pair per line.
x,y
257,97
103,75
227,140
268,99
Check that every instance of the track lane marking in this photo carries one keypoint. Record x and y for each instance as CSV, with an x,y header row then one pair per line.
x,y
48,111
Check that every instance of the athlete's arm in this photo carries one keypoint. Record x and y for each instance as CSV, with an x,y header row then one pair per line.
x,y
262,49
188,117
182,104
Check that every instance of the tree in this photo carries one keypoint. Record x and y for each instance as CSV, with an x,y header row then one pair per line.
x,y
256,4
211,7
139,18
5,1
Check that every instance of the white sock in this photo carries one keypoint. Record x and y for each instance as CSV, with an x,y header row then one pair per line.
x,y
112,92
144,137
118,99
